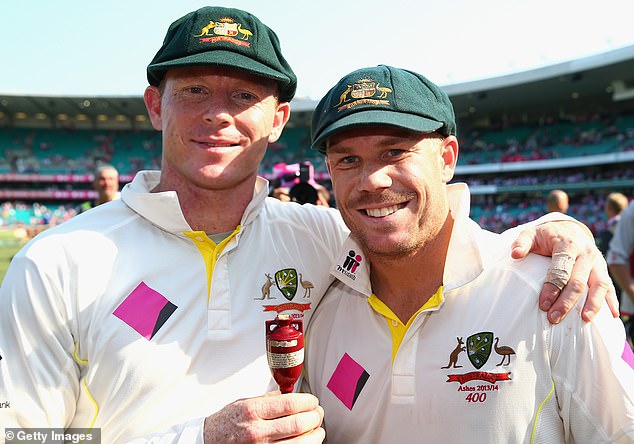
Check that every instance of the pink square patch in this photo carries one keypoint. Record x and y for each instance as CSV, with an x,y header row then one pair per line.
x,y
348,380
145,310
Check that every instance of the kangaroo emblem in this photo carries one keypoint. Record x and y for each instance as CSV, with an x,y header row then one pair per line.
x,y
344,96
206,29
266,288
453,358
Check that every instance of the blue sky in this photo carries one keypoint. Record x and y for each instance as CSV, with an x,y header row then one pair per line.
x,y
70,47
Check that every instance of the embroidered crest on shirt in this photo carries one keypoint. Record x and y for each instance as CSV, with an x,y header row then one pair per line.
x,y
287,281
479,347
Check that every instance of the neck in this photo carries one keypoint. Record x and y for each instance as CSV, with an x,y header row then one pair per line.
x,y
405,283
211,210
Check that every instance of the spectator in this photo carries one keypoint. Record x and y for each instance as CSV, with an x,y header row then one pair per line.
x,y
620,260
557,200
106,184
614,205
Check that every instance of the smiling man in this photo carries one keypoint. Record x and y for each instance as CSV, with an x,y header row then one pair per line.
x,y
145,317
431,332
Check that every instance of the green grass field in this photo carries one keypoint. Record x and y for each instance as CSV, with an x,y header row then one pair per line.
x,y
9,245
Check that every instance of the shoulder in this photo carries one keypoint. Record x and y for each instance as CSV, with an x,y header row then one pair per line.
x,y
340,300
313,217
82,231
495,251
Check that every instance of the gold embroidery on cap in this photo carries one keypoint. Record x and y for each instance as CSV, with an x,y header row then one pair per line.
x,y
364,92
225,30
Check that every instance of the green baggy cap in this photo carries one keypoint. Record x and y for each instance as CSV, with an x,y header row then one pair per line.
x,y
382,95
224,37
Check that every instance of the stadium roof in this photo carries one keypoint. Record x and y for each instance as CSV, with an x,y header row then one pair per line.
x,y
592,84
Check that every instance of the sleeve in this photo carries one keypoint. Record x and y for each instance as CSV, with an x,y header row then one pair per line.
x,y
593,372
622,243
39,377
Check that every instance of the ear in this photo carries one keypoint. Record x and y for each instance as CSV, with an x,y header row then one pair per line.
x,y
282,114
152,98
449,156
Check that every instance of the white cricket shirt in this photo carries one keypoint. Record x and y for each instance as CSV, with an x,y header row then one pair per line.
x,y
480,363
124,319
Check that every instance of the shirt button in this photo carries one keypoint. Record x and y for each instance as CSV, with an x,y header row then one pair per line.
x,y
200,238
394,323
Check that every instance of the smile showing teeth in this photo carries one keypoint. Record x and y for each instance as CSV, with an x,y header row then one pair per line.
x,y
218,145
380,212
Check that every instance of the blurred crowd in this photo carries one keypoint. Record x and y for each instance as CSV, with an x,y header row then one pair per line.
x,y
38,151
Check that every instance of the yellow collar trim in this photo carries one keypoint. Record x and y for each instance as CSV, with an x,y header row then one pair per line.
x,y
397,328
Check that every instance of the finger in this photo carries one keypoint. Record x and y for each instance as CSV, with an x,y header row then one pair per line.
x,y
613,302
574,289
316,436
294,426
523,243
273,393
548,296
596,295
562,236
277,406
601,287
560,269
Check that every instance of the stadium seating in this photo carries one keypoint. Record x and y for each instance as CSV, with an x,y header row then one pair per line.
x,y
508,199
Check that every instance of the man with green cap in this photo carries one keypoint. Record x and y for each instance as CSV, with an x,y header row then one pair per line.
x,y
147,314
430,333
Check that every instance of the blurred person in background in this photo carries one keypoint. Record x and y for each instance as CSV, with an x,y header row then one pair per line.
x,y
106,184
614,205
557,201
620,259
281,193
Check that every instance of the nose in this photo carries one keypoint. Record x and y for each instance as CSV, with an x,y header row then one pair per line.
x,y
375,178
218,111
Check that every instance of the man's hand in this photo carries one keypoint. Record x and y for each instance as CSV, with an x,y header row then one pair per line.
x,y
289,418
568,243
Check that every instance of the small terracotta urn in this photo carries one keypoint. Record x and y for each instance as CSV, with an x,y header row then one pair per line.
x,y
285,350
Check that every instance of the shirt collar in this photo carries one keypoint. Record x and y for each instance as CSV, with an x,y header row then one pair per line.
x,y
163,209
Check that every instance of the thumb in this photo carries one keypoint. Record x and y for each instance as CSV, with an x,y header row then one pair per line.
x,y
523,243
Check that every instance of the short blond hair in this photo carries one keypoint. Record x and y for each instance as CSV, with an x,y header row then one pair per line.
x,y
616,202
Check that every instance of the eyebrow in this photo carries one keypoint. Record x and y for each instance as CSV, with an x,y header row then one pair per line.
x,y
385,142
